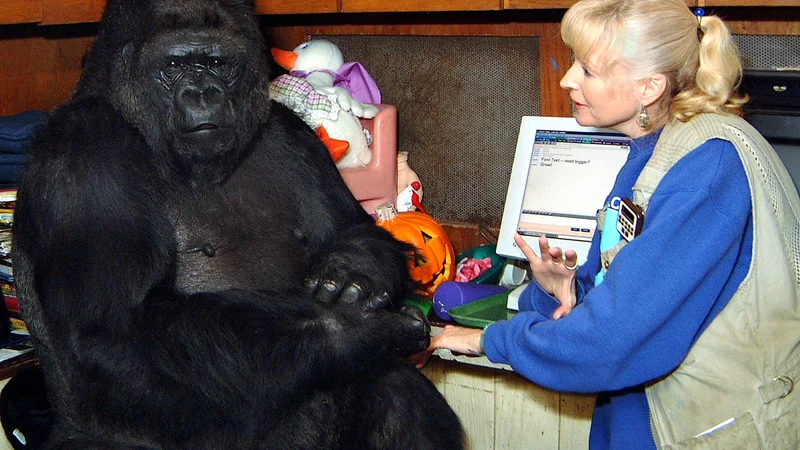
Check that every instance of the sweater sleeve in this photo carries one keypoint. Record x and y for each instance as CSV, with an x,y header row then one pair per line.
x,y
657,296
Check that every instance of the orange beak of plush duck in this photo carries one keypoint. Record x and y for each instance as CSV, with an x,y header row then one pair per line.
x,y
285,58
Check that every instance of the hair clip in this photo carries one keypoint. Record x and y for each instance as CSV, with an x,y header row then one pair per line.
x,y
699,12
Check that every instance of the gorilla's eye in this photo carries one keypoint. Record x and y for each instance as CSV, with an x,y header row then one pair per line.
x,y
172,69
220,67
216,64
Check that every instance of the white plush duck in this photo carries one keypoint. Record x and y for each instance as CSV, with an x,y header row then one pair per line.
x,y
330,110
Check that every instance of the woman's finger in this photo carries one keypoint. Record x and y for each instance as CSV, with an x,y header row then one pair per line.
x,y
571,260
544,248
555,255
562,311
525,248
421,358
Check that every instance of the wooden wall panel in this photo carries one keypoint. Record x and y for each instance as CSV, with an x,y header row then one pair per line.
x,y
563,4
294,6
759,3
39,72
501,410
761,21
419,5
20,11
526,416
72,11
537,4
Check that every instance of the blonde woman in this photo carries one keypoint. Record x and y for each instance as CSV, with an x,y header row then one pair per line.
x,y
688,333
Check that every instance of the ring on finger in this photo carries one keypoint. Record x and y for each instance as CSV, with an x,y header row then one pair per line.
x,y
571,268
555,263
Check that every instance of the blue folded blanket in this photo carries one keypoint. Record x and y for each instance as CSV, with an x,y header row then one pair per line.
x,y
16,135
16,132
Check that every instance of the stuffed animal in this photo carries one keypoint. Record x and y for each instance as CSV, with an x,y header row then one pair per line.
x,y
329,96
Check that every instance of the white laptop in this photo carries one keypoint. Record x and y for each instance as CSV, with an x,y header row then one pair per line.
x,y
561,175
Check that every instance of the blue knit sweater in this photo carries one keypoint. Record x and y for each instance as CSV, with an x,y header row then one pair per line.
x,y
658,296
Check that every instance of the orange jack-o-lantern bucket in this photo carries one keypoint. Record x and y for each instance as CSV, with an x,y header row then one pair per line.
x,y
435,259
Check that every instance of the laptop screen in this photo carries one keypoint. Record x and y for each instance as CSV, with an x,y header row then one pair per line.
x,y
561,175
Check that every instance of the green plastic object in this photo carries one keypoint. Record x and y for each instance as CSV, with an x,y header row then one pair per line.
x,y
483,312
423,303
491,276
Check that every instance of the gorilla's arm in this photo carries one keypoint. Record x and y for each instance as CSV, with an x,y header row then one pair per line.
x,y
347,247
93,239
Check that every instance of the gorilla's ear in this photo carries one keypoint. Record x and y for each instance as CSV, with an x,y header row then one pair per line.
x,y
123,89
127,54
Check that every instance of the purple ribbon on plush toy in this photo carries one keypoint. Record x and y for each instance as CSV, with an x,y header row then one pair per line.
x,y
353,77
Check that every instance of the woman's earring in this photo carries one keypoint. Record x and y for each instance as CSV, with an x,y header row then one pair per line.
x,y
643,120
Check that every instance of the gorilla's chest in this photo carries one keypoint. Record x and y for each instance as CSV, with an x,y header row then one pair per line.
x,y
237,240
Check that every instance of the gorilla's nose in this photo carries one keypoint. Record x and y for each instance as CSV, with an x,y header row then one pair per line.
x,y
201,103
200,96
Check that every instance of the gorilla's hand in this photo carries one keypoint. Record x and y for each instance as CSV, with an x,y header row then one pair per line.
x,y
363,262
401,333
409,331
332,283
420,325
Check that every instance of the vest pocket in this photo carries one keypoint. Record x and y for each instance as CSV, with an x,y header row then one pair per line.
x,y
783,433
740,434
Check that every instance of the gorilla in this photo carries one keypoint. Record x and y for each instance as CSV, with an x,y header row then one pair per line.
x,y
194,272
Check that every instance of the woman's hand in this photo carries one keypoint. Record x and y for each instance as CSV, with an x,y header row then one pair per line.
x,y
454,338
459,340
554,271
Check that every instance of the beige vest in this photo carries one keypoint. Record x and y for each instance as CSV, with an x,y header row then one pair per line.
x,y
735,389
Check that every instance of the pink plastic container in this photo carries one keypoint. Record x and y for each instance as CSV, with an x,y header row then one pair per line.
x,y
377,183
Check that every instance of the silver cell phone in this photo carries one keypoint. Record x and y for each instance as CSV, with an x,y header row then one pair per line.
x,y
631,219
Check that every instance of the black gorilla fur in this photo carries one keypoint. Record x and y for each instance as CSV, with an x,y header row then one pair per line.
x,y
193,269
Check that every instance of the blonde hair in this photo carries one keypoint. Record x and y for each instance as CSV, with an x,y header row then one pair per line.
x,y
701,63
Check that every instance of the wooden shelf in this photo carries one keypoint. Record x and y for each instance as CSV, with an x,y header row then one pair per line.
x,y
57,12
564,4
704,3
10,368
538,4
21,11
355,6
295,7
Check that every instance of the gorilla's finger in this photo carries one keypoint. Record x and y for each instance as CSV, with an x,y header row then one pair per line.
x,y
353,293
416,313
311,284
328,291
418,329
380,301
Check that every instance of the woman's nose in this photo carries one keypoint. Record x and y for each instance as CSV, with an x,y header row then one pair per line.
x,y
569,80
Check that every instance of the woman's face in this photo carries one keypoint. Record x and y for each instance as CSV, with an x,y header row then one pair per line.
x,y
604,98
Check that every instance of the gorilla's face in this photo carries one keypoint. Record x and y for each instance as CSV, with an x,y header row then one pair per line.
x,y
196,84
